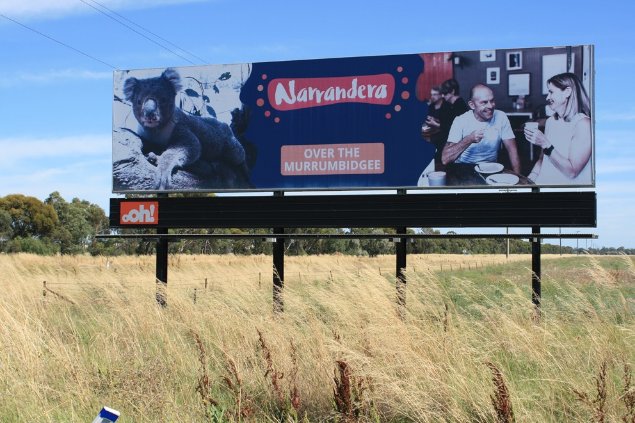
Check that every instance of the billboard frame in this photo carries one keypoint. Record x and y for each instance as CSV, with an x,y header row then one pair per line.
x,y
587,66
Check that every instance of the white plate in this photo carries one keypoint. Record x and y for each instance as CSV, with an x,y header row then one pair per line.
x,y
488,167
502,179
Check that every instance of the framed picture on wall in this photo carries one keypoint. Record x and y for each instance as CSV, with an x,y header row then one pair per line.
x,y
514,60
488,55
518,84
492,76
553,64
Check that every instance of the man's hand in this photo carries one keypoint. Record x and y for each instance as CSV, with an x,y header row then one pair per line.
x,y
476,136
452,151
432,121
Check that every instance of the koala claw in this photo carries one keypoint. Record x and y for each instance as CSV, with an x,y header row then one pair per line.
x,y
164,181
152,158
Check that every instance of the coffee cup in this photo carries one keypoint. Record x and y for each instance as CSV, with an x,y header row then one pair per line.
x,y
436,179
532,126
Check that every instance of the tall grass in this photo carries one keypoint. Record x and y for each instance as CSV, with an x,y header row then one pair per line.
x,y
339,352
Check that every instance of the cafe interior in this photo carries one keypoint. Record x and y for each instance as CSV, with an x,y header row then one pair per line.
x,y
516,76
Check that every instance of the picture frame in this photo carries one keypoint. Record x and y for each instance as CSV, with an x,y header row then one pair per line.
x,y
488,55
519,84
553,64
514,60
492,76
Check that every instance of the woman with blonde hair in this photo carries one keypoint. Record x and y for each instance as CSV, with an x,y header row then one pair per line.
x,y
566,143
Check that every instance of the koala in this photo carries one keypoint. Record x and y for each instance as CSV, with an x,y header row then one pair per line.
x,y
173,139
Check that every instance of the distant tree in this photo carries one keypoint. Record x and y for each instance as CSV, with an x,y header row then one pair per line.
x,y
325,245
42,246
79,222
30,217
6,231
375,246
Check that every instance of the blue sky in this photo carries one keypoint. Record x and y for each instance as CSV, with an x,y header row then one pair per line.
x,y
56,103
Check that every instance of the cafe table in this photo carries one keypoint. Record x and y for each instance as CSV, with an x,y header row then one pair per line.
x,y
466,174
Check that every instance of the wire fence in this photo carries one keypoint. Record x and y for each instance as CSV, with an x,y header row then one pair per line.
x,y
199,286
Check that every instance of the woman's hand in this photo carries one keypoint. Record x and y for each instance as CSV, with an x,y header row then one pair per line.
x,y
535,136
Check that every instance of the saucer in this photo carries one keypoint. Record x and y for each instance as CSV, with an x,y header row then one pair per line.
x,y
502,179
488,167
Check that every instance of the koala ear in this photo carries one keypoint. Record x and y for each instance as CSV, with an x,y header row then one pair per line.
x,y
129,87
173,77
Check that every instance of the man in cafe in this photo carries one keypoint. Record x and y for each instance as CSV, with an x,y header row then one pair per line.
x,y
437,124
476,135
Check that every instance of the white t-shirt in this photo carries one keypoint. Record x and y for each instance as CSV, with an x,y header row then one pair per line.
x,y
496,130
560,133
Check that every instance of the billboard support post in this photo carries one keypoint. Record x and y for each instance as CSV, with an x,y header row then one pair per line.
x,y
162,267
535,210
535,268
401,252
278,266
162,264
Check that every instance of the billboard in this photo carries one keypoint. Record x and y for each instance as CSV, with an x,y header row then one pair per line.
x,y
463,119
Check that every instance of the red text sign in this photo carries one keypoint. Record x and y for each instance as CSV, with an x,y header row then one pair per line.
x,y
332,159
299,93
139,213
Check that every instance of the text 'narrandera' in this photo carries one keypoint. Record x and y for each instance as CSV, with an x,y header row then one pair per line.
x,y
299,93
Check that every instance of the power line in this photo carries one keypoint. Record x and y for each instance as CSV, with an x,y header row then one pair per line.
x,y
58,42
135,31
203,61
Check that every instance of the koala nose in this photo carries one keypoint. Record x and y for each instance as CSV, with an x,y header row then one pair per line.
x,y
149,107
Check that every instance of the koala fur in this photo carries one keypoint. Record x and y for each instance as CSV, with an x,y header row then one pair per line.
x,y
173,139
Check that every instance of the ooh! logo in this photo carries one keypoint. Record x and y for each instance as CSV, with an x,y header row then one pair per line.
x,y
139,213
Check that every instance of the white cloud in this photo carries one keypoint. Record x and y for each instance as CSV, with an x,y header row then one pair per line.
x,y
617,190
76,166
615,60
628,116
611,166
51,9
614,143
17,150
51,76
86,179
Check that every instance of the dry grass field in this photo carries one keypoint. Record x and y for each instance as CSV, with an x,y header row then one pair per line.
x,y
464,349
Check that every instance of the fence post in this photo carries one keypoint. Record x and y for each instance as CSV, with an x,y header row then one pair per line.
x,y
44,288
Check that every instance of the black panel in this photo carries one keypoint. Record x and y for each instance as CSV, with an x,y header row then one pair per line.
x,y
552,209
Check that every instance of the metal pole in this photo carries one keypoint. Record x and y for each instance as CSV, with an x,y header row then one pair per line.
x,y
161,265
535,268
278,267
401,254
507,250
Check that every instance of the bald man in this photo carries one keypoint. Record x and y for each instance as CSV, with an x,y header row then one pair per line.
x,y
476,135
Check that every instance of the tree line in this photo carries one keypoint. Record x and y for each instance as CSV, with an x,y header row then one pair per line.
x,y
56,226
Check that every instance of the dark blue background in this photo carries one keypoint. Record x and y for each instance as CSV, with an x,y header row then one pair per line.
x,y
406,153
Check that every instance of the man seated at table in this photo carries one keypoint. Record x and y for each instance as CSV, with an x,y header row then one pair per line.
x,y
476,135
